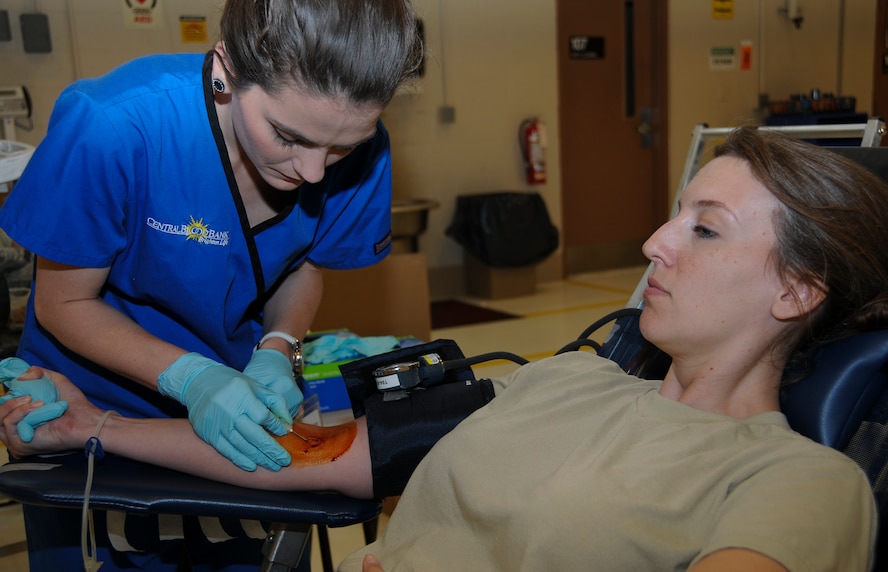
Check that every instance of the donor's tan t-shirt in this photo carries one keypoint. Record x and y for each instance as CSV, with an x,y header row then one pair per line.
x,y
577,466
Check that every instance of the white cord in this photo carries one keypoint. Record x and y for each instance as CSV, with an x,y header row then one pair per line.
x,y
87,529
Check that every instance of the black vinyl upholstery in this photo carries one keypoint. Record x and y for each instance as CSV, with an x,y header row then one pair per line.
x,y
873,158
130,486
137,488
844,404
848,379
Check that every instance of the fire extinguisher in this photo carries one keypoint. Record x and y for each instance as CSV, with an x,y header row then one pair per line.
x,y
532,140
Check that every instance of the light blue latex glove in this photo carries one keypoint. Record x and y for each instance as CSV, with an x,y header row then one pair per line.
x,y
41,389
273,369
228,410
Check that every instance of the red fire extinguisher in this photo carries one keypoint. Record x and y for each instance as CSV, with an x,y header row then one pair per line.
x,y
532,140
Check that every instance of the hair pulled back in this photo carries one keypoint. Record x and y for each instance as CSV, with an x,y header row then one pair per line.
x,y
358,49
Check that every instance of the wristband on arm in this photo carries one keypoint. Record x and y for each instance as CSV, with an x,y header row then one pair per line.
x,y
295,348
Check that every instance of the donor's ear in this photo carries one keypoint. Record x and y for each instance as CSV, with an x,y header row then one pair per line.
x,y
798,298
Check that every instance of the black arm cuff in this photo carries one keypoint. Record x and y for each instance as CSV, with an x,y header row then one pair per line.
x,y
401,432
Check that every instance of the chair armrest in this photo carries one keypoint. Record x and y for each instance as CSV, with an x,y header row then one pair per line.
x,y
131,486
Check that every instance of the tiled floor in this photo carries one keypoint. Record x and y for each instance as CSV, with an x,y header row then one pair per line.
x,y
555,315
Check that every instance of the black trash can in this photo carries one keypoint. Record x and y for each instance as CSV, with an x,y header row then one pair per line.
x,y
505,234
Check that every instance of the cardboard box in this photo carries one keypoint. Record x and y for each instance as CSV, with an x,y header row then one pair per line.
x,y
388,299
483,281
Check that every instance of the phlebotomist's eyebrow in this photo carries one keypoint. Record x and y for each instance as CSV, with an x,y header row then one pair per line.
x,y
296,136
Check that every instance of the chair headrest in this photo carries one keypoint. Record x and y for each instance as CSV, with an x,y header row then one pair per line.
x,y
848,378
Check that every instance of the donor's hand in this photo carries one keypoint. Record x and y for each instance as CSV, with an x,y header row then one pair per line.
x,y
41,391
371,564
69,429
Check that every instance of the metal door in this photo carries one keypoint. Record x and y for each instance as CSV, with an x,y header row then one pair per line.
x,y
612,99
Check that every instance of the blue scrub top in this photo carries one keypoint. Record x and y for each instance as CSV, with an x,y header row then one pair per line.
x,y
134,175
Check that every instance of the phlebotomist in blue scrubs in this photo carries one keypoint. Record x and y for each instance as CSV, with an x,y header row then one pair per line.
x,y
181,208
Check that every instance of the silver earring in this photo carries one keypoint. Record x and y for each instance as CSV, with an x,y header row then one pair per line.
x,y
218,85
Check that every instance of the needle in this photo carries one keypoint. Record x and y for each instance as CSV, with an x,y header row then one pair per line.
x,y
290,430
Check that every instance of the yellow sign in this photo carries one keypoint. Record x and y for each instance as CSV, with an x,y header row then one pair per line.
x,y
193,29
723,9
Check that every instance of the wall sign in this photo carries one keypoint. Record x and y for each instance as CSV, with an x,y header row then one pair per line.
x,y
746,55
722,58
586,47
193,29
723,9
142,13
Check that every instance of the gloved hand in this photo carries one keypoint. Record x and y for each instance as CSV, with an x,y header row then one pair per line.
x,y
228,410
39,389
272,369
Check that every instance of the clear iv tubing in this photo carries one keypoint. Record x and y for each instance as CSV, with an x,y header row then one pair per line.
x,y
87,528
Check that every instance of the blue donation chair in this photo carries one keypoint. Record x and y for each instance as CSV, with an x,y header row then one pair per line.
x,y
120,484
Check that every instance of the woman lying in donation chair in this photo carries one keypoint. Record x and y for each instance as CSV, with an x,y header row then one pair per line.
x,y
777,249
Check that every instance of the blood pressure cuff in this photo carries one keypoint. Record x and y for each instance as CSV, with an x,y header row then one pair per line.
x,y
401,432
361,384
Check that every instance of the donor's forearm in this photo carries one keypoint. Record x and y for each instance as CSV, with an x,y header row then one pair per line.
x,y
329,458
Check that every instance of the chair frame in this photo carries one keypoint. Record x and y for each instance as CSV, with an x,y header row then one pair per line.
x,y
121,484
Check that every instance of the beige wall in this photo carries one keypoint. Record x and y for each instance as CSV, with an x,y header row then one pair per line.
x,y
494,63
88,39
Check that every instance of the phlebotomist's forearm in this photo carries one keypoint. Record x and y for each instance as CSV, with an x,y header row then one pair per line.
x,y
67,304
292,307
